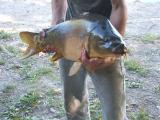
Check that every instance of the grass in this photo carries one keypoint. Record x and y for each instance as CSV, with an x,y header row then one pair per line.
x,y
55,103
157,89
2,62
31,73
12,50
9,89
30,99
58,105
149,37
141,115
95,109
54,92
136,67
5,35
12,113
134,84
34,75
25,106
1,48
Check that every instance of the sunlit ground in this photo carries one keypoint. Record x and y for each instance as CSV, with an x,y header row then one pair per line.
x,y
16,15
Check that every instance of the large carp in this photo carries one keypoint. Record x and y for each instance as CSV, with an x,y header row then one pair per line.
x,y
92,32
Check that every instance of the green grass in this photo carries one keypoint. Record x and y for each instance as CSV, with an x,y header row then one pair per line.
x,y
35,75
30,99
30,74
1,48
95,109
54,92
9,89
5,35
22,108
12,50
58,105
2,62
149,37
12,114
134,84
55,103
141,115
136,67
157,89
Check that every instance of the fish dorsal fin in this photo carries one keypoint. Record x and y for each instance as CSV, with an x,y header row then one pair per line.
x,y
75,68
27,37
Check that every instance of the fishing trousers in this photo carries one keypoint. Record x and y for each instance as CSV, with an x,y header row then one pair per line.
x,y
109,85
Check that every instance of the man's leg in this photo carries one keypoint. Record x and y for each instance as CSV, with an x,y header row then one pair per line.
x,y
75,92
109,84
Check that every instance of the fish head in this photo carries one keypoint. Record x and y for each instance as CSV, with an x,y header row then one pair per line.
x,y
115,45
34,41
119,47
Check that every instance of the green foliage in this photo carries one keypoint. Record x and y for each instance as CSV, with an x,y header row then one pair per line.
x,y
12,113
12,50
9,89
30,100
58,105
5,35
134,84
54,92
136,67
149,37
1,48
55,103
157,89
25,105
2,62
34,75
141,115
95,109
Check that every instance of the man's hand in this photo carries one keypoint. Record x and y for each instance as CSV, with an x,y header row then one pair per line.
x,y
92,64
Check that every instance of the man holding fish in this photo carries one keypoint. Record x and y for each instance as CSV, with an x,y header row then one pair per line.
x,y
108,77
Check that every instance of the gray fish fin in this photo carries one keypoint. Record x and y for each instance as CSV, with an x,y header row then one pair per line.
x,y
75,68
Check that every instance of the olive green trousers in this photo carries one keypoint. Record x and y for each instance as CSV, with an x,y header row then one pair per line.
x,y
109,85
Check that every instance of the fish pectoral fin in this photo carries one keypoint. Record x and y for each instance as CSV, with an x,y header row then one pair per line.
x,y
75,68
55,57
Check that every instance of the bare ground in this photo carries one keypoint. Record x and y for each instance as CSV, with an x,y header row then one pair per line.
x,y
38,75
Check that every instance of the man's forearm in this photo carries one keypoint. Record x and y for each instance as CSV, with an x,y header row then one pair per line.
x,y
119,15
59,8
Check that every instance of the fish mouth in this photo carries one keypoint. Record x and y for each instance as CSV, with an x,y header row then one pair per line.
x,y
120,49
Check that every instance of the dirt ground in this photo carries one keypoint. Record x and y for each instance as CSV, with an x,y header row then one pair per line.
x,y
31,89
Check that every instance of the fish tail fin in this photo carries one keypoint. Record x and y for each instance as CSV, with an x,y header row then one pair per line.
x,y
27,37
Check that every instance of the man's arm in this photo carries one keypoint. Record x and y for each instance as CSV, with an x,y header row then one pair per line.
x,y
119,15
59,8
